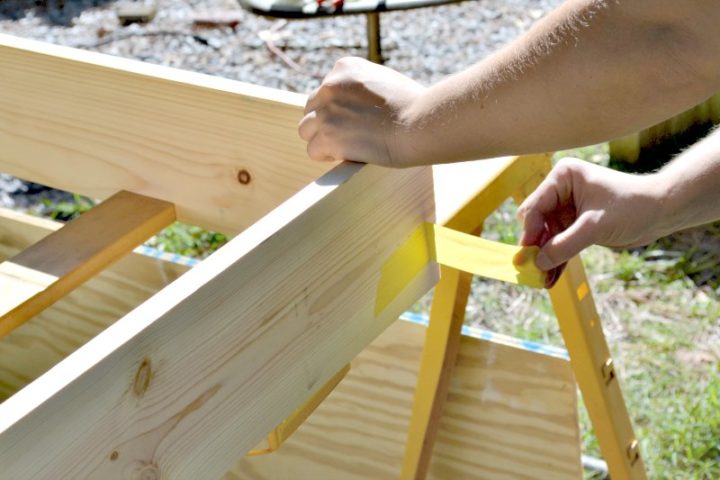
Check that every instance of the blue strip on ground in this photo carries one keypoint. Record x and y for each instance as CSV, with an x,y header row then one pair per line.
x,y
496,337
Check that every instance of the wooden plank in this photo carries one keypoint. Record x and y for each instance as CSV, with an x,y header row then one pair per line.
x,y
224,152
36,346
43,273
198,375
538,435
510,414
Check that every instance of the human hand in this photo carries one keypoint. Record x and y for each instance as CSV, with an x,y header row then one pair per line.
x,y
580,204
360,112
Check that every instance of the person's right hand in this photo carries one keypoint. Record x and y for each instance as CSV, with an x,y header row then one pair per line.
x,y
580,204
360,113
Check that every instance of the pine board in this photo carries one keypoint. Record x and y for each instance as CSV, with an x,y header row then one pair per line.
x,y
169,134
46,271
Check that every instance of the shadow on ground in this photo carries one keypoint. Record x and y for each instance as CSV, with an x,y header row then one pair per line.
x,y
54,12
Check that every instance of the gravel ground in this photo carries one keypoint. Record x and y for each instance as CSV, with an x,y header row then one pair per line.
x,y
426,44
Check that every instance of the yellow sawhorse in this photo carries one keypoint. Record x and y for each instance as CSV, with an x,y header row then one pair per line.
x,y
579,324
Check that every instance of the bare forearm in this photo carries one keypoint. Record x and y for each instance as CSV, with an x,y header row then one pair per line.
x,y
690,186
591,71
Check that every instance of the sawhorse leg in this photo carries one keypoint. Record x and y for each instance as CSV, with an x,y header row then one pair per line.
x,y
442,343
595,374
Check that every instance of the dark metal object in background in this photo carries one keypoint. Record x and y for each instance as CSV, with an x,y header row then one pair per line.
x,y
371,9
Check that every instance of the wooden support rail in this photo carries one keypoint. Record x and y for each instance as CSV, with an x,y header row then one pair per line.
x,y
595,373
40,275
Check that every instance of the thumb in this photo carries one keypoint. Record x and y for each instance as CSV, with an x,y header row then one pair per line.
x,y
568,243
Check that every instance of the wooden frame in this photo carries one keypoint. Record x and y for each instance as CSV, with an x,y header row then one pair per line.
x,y
195,376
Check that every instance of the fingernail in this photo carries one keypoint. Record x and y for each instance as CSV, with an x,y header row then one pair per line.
x,y
542,261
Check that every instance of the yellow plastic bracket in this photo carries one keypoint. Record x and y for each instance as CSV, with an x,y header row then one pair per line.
x,y
288,426
462,251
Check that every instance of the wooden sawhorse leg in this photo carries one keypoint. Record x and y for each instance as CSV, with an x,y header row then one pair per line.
x,y
594,373
442,343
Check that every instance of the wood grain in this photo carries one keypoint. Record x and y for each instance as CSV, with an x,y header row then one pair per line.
x,y
95,124
36,346
43,273
510,414
199,374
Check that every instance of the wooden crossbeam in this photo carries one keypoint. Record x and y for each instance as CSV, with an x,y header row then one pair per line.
x,y
224,152
40,275
194,378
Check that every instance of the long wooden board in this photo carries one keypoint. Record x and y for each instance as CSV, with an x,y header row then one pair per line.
x,y
36,346
52,335
195,377
224,152
43,273
511,414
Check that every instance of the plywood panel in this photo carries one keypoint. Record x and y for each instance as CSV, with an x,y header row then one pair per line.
x,y
511,414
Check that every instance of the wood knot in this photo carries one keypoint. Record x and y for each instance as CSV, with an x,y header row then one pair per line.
x,y
142,377
244,177
147,472
114,455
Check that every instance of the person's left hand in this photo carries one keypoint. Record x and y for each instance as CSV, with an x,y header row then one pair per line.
x,y
360,113
580,204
